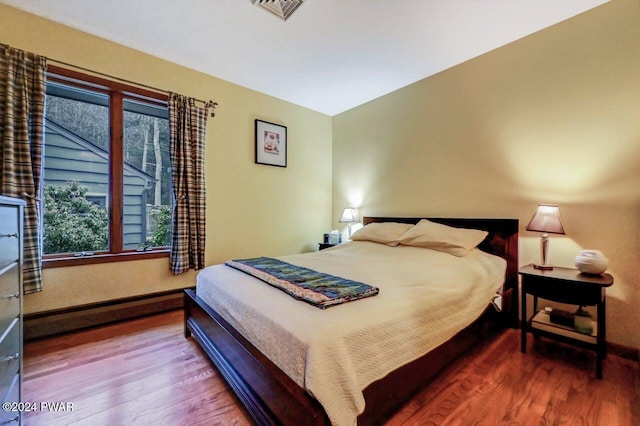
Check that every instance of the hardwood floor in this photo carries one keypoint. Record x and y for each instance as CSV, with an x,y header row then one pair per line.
x,y
139,372
144,372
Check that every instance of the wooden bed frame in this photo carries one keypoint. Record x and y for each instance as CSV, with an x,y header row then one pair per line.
x,y
272,398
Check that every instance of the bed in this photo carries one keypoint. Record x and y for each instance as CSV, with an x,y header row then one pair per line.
x,y
273,393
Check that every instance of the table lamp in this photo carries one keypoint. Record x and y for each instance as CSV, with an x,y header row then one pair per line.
x,y
547,220
350,215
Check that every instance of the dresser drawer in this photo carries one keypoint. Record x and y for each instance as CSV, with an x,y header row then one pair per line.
x,y
13,393
9,418
9,355
8,235
9,294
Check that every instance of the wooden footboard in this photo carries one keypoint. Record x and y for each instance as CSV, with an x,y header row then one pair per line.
x,y
269,395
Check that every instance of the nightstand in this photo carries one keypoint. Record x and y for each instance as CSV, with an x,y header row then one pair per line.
x,y
570,286
322,246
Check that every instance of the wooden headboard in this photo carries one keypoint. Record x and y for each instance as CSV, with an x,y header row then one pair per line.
x,y
502,241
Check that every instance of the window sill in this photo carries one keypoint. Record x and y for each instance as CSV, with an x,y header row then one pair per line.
x,y
58,262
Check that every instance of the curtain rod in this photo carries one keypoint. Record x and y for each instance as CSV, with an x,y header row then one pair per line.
x,y
209,103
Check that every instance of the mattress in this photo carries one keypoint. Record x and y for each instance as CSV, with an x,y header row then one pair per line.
x,y
425,298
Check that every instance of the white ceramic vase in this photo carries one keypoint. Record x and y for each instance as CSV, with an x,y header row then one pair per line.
x,y
591,262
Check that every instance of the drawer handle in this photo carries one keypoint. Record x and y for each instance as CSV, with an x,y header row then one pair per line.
x,y
14,235
10,358
10,295
15,419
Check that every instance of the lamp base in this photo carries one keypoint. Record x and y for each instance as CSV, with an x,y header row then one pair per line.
x,y
542,267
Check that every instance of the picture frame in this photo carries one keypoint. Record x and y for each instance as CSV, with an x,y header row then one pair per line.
x,y
271,144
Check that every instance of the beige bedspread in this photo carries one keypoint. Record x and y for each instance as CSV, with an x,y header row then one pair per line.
x,y
425,298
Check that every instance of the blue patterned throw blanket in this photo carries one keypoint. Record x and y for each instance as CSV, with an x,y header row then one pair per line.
x,y
316,288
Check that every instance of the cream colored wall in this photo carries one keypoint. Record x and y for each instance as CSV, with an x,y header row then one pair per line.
x,y
553,117
251,209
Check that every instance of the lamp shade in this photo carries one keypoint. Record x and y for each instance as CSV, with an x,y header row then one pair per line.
x,y
350,215
546,219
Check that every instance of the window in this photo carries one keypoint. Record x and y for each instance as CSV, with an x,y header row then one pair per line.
x,y
98,200
106,197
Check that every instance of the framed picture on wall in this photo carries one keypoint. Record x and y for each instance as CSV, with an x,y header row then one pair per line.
x,y
271,144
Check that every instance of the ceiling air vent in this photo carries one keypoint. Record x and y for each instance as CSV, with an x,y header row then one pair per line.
x,y
282,8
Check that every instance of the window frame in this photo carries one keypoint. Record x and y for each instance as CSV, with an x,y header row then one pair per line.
x,y
117,93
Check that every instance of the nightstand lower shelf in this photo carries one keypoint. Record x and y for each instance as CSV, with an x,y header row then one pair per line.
x,y
541,324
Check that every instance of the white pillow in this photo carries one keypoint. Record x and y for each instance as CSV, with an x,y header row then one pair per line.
x,y
382,232
455,241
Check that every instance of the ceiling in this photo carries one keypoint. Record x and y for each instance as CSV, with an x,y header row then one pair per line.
x,y
329,56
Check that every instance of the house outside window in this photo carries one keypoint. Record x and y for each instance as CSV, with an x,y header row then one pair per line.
x,y
106,197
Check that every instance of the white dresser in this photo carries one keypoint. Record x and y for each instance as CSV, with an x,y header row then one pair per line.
x,y
11,217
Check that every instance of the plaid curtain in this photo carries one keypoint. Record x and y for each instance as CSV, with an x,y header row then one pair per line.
x,y
22,96
188,125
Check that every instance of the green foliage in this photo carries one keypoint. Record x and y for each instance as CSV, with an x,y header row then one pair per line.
x,y
162,228
71,222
